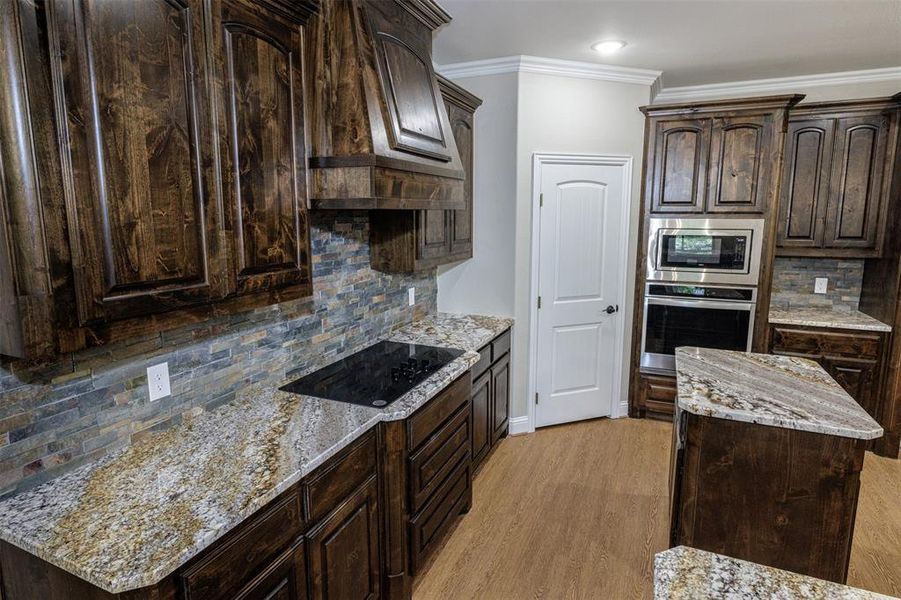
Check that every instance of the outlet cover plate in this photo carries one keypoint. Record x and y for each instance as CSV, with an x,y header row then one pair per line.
x,y
411,294
820,285
158,381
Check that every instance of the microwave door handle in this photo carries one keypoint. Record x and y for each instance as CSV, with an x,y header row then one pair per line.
x,y
688,303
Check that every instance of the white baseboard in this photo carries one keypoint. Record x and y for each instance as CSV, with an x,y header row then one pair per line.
x,y
519,425
623,409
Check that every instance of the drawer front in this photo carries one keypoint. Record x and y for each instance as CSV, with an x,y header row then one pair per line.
x,y
429,526
338,478
428,419
659,393
244,555
500,346
859,345
484,362
430,465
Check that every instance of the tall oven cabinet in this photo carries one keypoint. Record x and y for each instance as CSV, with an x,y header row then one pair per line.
x,y
707,160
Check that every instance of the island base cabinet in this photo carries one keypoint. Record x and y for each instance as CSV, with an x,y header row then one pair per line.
x,y
779,497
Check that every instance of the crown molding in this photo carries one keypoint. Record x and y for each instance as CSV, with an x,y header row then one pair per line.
x,y
776,85
549,66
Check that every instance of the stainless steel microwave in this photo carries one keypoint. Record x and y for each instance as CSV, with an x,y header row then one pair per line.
x,y
725,251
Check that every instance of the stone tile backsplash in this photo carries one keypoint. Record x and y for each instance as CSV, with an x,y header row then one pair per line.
x,y
55,417
793,281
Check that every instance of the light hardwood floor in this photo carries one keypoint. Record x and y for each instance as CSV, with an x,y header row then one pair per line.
x,y
578,511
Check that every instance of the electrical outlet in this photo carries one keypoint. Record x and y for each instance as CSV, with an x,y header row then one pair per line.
x,y
411,295
158,381
820,284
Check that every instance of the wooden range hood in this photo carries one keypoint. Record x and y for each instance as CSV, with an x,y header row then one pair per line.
x,y
379,133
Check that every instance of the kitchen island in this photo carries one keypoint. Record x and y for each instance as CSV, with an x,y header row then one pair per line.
x,y
767,454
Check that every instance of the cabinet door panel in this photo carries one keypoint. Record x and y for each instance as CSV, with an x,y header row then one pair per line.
x,y
857,378
133,109
680,169
805,183
461,220
482,423
433,234
856,182
416,123
500,393
739,165
344,549
263,153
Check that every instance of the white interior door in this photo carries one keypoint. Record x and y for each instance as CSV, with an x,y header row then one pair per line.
x,y
580,269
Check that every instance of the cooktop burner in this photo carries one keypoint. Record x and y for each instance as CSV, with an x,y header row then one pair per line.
x,y
375,376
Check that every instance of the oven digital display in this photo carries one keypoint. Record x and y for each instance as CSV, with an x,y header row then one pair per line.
x,y
697,250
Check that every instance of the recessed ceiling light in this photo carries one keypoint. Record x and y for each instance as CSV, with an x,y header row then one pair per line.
x,y
608,46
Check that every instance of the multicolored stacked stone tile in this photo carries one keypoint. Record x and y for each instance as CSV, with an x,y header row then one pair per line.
x,y
55,417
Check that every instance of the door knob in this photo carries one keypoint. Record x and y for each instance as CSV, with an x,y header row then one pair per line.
x,y
611,309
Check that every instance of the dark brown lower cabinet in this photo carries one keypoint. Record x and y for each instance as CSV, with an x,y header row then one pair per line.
x,y
778,497
656,396
344,549
490,397
853,358
285,579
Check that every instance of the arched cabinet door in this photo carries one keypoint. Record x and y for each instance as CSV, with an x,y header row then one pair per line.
x,y
741,164
132,111
856,183
804,193
261,147
679,173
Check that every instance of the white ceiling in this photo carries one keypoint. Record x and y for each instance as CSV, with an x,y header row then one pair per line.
x,y
692,41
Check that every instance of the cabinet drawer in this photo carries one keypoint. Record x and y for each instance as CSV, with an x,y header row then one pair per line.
x,y
859,345
244,555
430,465
423,424
339,477
429,526
500,346
659,393
484,362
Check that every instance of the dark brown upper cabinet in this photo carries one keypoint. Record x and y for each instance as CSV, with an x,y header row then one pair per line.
x,y
836,178
714,157
379,135
740,163
262,152
153,164
681,147
133,109
404,241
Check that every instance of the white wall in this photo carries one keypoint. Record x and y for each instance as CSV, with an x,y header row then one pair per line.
x,y
573,116
522,114
485,284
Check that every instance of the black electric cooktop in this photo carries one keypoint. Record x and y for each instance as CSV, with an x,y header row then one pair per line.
x,y
376,376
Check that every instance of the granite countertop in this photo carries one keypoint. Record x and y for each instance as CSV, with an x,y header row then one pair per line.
x,y
685,573
130,519
780,391
824,317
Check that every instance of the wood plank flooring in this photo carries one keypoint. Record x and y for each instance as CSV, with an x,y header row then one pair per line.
x,y
578,511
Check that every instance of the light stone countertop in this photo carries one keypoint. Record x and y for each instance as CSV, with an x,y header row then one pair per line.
x,y
780,391
821,317
684,573
130,519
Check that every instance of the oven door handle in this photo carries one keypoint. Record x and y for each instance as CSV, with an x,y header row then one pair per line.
x,y
693,303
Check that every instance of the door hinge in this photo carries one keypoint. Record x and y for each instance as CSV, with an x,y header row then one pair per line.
x,y
539,301
536,397
540,200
